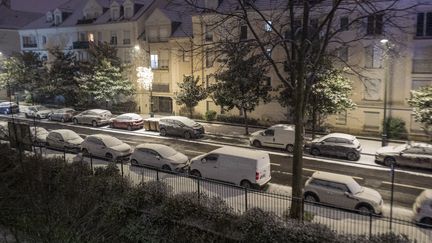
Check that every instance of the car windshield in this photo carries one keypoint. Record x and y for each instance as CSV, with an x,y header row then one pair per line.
x,y
70,135
40,108
400,148
355,187
112,141
188,122
166,152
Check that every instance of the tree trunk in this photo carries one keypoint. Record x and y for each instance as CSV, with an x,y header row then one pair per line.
x,y
190,112
314,121
246,122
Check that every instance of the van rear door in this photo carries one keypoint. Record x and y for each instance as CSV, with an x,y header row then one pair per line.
x,y
263,173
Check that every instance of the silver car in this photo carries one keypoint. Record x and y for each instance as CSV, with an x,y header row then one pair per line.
x,y
336,144
417,155
38,111
105,146
94,117
159,156
38,135
62,115
64,139
342,191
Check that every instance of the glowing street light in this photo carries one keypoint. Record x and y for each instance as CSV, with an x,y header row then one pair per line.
x,y
145,79
137,47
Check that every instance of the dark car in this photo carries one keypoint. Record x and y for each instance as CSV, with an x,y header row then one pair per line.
x,y
417,155
62,115
127,121
180,126
8,108
336,144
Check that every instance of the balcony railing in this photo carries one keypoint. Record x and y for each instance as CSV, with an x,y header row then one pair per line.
x,y
422,66
162,88
80,45
154,39
29,45
160,65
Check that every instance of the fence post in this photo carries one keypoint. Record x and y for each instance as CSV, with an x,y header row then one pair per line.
x,y
302,210
370,225
246,200
199,191
157,175
91,163
64,154
121,161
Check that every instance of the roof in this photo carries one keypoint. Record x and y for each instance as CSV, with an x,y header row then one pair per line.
x,y
421,145
180,15
101,136
332,177
74,10
284,126
340,135
154,146
240,152
14,19
99,110
62,131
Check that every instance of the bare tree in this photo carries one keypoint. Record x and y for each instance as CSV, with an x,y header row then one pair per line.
x,y
296,36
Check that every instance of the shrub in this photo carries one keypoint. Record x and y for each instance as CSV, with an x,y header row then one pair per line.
x,y
395,128
210,115
236,119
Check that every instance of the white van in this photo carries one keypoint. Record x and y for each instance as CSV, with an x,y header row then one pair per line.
x,y
277,136
423,208
244,167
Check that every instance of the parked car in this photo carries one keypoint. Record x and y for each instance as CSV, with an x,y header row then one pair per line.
x,y
127,121
276,136
4,130
244,167
105,146
414,155
62,115
159,156
64,139
94,117
336,144
9,108
342,191
180,126
423,208
38,111
38,135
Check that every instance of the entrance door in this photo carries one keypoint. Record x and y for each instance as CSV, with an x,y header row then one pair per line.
x,y
162,104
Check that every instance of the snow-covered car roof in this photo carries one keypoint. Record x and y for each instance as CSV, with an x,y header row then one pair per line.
x,y
164,150
131,115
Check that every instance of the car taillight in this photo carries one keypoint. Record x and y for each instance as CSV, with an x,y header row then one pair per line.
x,y
257,175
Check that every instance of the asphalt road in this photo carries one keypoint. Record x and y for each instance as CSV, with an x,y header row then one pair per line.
x,y
408,182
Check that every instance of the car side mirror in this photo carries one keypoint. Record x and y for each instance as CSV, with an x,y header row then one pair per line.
x,y
347,194
262,134
322,142
61,140
158,157
401,153
203,160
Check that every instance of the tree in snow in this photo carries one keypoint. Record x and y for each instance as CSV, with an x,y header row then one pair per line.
x,y
191,93
421,101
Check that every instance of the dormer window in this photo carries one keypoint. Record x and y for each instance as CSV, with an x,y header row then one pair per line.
x,y
115,11
57,17
128,12
128,7
49,16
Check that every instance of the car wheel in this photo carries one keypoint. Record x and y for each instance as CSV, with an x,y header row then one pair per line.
x,y
426,222
311,197
256,143
166,167
94,123
85,152
365,209
38,117
163,132
388,161
352,156
315,152
290,148
129,128
195,173
75,121
134,162
246,184
187,135
109,156
63,120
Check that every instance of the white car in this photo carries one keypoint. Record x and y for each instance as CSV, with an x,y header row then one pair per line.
x,y
38,111
38,135
105,146
4,130
342,191
277,136
63,139
159,156
423,208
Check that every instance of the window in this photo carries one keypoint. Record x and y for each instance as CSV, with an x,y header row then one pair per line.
x,y
373,56
154,61
115,14
29,41
268,26
91,37
209,59
57,19
126,37
372,120
375,24
424,24
44,40
243,32
82,36
269,132
211,158
372,89
113,38
341,118
343,53
269,52
128,12
330,140
344,23
208,33
186,56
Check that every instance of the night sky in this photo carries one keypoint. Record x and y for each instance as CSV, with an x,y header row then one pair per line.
x,y
36,5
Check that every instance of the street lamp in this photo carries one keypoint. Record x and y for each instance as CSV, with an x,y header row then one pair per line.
x,y
385,42
145,79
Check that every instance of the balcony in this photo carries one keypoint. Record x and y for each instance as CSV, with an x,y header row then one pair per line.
x,y
29,45
161,88
160,65
155,39
422,66
80,44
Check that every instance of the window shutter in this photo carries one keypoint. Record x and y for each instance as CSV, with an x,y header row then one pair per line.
x,y
420,22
